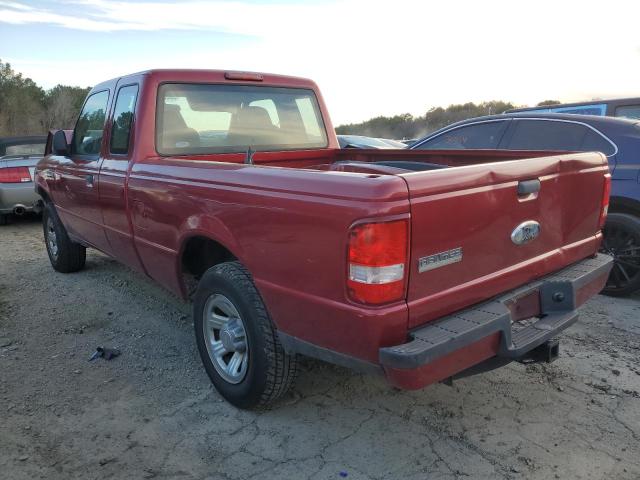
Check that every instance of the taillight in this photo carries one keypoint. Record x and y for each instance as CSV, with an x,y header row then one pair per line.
x,y
378,262
15,175
604,208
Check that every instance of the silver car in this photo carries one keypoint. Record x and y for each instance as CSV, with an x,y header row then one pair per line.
x,y
18,158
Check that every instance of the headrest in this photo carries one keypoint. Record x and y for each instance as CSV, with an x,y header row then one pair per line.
x,y
253,118
172,118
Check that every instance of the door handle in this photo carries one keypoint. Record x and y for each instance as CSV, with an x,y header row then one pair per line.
x,y
527,187
89,179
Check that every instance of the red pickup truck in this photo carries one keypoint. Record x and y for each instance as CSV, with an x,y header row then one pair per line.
x,y
229,189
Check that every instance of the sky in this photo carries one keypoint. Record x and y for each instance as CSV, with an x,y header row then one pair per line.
x,y
369,58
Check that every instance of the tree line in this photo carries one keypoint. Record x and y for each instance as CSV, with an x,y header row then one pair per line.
x,y
28,109
407,126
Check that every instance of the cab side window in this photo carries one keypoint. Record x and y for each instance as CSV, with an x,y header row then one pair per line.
x,y
546,135
628,111
554,135
476,136
594,142
122,119
87,136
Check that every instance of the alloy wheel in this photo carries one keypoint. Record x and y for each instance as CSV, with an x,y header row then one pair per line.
x,y
52,238
225,338
624,247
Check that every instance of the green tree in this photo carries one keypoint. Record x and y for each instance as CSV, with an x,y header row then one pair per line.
x,y
408,126
21,103
26,109
546,103
62,105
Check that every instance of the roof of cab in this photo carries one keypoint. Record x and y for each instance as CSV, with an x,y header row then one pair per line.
x,y
212,76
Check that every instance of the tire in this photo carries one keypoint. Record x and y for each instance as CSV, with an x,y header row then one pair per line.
x,y
265,372
65,255
4,219
622,241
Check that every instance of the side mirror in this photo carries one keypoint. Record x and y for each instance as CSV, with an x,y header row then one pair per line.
x,y
60,145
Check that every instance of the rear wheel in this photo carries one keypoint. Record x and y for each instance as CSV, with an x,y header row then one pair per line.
x,y
622,241
65,255
237,341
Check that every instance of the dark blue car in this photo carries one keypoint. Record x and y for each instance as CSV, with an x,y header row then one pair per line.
x,y
618,139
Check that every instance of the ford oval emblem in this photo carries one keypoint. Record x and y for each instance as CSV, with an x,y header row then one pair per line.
x,y
525,232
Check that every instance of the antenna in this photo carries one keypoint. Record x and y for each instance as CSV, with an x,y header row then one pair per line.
x,y
249,158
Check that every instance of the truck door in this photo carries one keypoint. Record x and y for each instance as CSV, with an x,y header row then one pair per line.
x,y
76,187
113,177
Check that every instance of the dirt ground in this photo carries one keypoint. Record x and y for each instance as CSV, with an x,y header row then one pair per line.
x,y
151,413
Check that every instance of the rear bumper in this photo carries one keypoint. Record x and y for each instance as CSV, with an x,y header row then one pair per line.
x,y
13,195
453,343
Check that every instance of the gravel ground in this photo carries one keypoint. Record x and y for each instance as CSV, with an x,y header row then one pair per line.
x,y
151,413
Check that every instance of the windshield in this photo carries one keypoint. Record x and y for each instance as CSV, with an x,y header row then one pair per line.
x,y
201,119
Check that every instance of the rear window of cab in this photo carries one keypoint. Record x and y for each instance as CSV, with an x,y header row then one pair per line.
x,y
198,119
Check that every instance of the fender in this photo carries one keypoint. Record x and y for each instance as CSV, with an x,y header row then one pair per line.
x,y
41,187
202,225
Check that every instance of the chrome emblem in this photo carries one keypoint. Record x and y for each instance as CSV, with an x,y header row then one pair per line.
x,y
440,259
525,232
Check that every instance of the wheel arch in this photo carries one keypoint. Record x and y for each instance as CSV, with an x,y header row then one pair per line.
x,y
624,205
199,251
46,198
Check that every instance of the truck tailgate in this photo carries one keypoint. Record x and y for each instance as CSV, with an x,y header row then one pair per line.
x,y
462,221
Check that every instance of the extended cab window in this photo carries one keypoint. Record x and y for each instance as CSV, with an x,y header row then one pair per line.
x,y
122,118
476,136
201,119
87,136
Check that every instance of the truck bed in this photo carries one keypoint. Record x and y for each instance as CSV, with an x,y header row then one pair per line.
x,y
276,219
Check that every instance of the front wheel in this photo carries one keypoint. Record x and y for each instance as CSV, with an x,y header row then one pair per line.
x,y
65,255
4,219
237,341
621,240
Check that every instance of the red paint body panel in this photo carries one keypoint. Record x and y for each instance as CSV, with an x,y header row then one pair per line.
x,y
482,201
287,218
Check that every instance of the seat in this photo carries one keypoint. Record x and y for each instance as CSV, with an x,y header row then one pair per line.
x,y
175,134
252,126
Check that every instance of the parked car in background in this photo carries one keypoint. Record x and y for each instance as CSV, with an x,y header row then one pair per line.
x,y
619,107
359,141
18,158
618,139
394,143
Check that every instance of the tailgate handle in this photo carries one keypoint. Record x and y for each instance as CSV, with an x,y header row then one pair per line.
x,y
527,187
